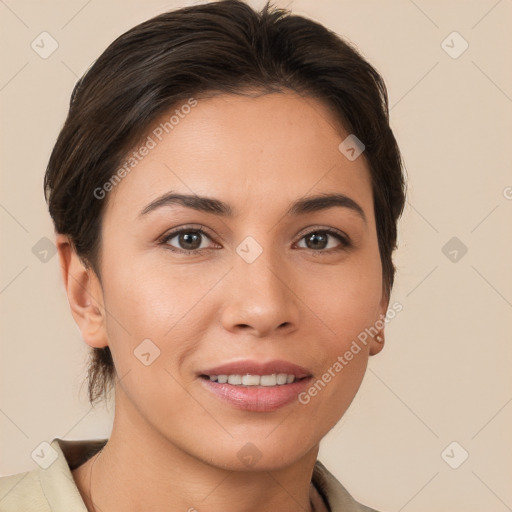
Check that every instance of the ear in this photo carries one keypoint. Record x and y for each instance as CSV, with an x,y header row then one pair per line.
x,y
377,343
85,294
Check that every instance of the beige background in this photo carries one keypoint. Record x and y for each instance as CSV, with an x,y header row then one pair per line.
x,y
445,372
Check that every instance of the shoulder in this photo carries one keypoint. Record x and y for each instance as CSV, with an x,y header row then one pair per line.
x,y
50,486
22,491
336,496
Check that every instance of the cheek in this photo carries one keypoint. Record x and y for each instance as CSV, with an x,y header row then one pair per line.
x,y
152,299
147,326
149,302
348,298
348,307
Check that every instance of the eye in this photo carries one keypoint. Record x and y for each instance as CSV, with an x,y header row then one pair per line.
x,y
318,240
188,239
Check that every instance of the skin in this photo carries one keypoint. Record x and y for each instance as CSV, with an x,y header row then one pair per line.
x,y
294,302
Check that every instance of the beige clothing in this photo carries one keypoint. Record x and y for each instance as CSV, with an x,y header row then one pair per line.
x,y
54,490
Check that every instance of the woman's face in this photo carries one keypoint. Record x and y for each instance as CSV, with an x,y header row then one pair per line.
x,y
267,285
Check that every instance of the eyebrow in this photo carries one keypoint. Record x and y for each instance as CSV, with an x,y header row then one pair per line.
x,y
210,205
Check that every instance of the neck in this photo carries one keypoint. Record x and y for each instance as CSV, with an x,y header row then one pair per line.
x,y
138,469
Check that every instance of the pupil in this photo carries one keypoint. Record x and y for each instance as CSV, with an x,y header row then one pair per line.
x,y
186,239
314,237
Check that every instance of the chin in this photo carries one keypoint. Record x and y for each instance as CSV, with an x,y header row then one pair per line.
x,y
259,453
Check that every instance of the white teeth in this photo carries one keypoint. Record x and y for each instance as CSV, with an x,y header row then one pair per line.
x,y
268,380
235,379
251,380
281,378
254,380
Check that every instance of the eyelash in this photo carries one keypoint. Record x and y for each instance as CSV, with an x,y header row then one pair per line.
x,y
345,242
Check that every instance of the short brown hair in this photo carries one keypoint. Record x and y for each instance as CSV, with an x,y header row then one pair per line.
x,y
219,47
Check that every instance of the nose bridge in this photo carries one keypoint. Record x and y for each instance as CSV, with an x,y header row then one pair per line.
x,y
260,293
261,266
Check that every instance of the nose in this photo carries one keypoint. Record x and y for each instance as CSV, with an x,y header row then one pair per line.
x,y
260,297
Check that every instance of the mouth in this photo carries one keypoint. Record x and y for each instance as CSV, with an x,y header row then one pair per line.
x,y
256,387
271,380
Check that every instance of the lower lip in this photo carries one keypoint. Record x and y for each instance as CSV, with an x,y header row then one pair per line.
x,y
257,398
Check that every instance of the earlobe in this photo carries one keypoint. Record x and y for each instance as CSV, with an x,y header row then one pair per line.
x,y
84,294
377,343
378,340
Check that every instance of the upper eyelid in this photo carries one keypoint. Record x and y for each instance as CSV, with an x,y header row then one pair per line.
x,y
312,229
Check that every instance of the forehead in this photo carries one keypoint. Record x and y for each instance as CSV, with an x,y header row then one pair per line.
x,y
249,151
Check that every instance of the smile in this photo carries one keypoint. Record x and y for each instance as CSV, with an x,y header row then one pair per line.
x,y
274,379
256,386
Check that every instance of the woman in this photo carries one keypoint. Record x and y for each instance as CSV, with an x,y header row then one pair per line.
x,y
225,193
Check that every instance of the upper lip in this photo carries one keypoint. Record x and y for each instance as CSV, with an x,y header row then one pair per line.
x,y
247,367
